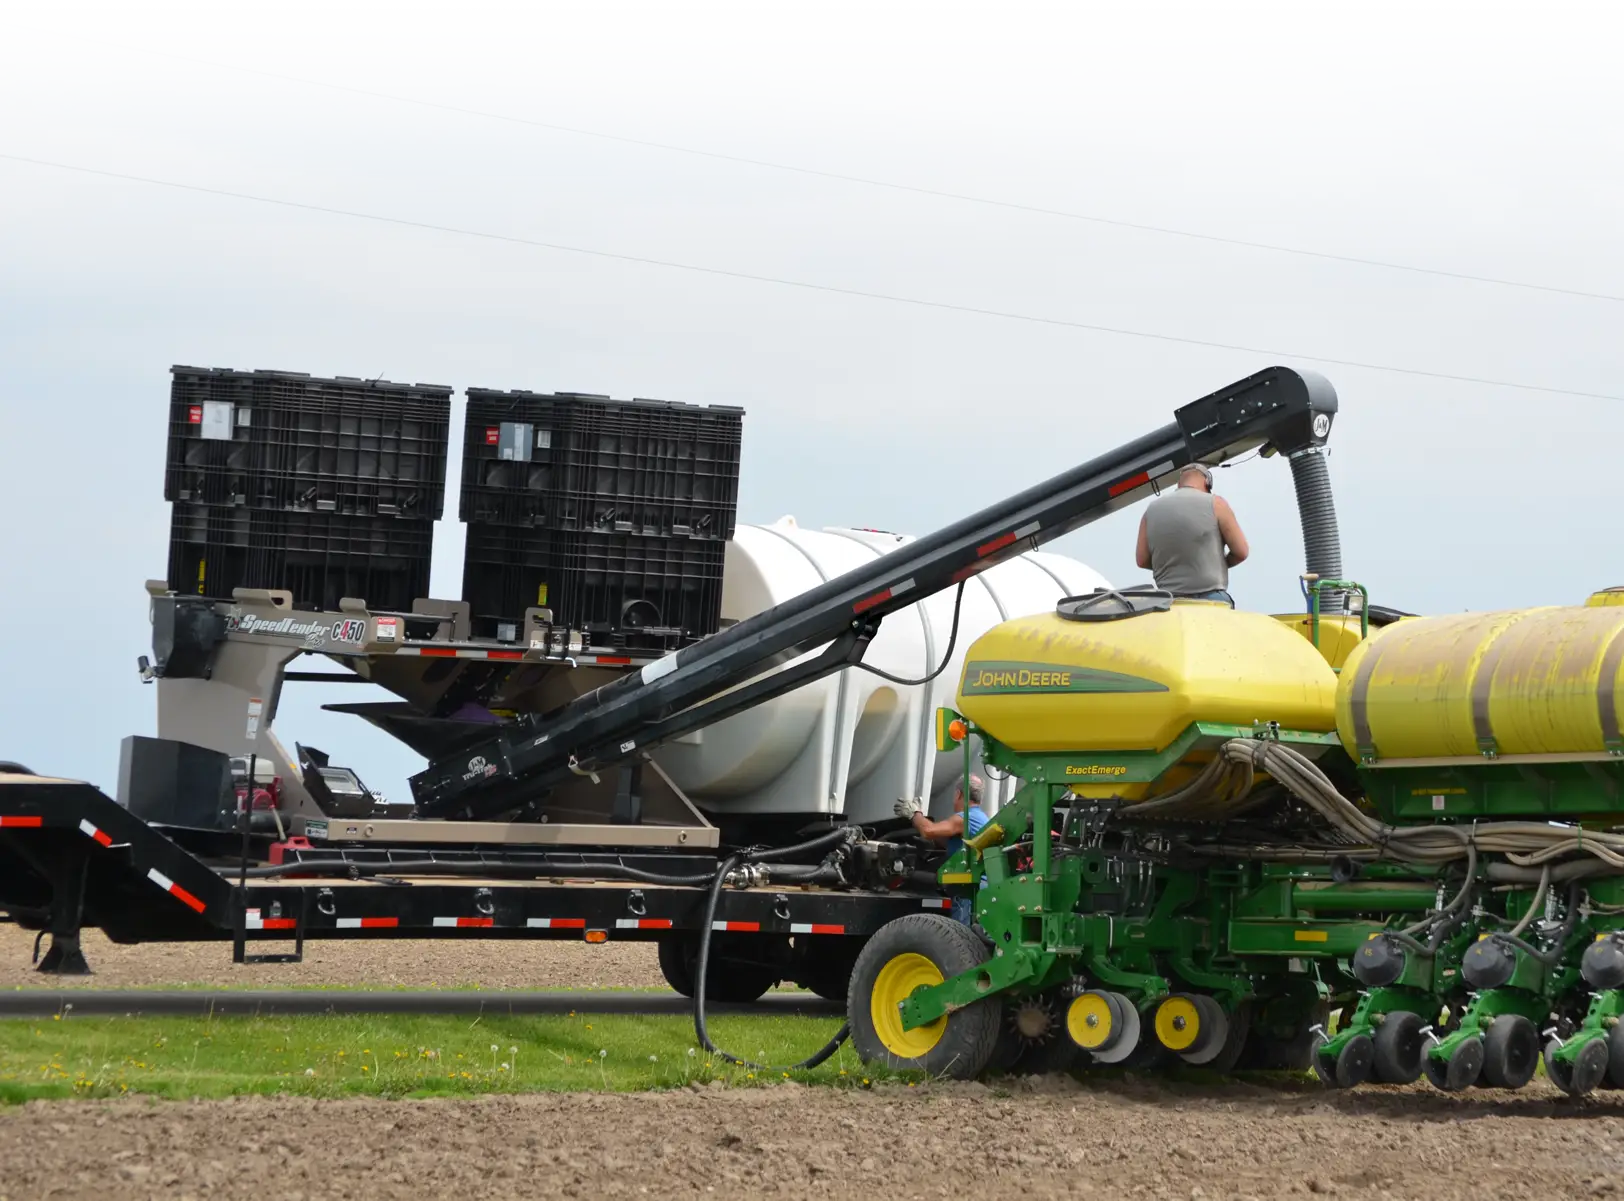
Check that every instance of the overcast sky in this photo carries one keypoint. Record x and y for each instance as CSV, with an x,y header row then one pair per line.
x,y
1472,139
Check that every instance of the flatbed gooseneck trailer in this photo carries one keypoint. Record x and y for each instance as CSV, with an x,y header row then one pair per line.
x,y
71,857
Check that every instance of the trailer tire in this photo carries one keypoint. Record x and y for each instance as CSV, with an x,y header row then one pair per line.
x,y
920,949
729,982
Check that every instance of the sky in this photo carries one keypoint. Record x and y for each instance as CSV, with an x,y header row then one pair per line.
x,y
1444,140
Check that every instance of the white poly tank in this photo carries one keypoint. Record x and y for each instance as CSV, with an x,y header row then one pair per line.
x,y
853,742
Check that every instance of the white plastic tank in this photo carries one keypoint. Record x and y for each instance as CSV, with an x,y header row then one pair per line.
x,y
853,742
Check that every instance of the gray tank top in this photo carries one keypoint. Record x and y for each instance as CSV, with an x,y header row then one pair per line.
x,y
1186,548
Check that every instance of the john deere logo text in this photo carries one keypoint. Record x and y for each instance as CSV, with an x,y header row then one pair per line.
x,y
981,679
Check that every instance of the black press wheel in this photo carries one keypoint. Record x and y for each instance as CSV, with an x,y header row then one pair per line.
x,y
1583,1073
1460,1070
1349,1067
1615,1058
1510,1052
911,952
1399,1047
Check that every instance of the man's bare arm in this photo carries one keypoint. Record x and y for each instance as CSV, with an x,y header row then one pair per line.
x,y
941,831
1142,555
1234,539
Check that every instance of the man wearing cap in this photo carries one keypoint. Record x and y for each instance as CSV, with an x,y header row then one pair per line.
x,y
950,830
1189,539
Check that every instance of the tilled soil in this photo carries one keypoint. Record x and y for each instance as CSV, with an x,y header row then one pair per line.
x,y
1048,1139
373,963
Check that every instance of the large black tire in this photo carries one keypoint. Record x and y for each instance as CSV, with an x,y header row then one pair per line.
x,y
729,981
906,953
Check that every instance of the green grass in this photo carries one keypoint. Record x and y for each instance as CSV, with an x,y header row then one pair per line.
x,y
401,1056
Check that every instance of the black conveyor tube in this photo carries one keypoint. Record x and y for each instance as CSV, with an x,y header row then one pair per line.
x,y
1279,409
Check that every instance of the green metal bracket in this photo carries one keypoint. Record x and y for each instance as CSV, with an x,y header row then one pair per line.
x,y
1605,1011
1014,966
1315,585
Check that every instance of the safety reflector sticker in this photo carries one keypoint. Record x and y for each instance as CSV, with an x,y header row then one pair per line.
x,y
642,923
367,923
814,928
22,823
99,835
174,890
556,923
464,921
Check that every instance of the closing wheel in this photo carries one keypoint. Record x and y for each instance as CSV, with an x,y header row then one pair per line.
x,y
1032,1040
1195,1021
1460,1070
1399,1048
907,954
1349,1067
1583,1073
1105,1024
1510,1052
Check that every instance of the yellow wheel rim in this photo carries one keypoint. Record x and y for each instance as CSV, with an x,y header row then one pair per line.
x,y
1089,1021
900,976
1178,1023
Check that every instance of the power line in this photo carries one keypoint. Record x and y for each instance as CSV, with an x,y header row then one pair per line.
x,y
832,289
892,185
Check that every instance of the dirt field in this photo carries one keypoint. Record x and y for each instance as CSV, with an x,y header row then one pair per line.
x,y
368,964
1054,1140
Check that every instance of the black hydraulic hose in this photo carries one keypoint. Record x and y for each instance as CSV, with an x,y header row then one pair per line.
x,y
1558,940
947,655
1322,543
726,869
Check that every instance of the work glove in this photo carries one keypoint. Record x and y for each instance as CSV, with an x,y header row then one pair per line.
x,y
905,808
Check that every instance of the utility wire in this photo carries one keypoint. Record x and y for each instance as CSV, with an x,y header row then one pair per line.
x,y
917,190
804,284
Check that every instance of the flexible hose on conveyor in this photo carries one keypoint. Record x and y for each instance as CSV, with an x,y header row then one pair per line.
x,y
1322,543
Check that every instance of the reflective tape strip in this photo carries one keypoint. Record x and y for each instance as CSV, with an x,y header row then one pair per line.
x,y
22,823
905,586
642,923
173,889
814,928
998,543
91,831
737,927
368,923
1027,530
464,921
1607,690
1129,484
557,923
454,652
868,602
936,903
270,923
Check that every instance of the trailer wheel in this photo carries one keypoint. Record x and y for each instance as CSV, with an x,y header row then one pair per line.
x,y
909,953
730,982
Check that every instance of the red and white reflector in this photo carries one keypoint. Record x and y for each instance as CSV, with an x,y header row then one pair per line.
x,y
174,890
367,923
936,903
21,823
814,928
95,832
737,927
556,923
642,923
253,921
465,921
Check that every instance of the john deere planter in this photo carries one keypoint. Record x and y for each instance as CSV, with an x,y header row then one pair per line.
x,y
1229,825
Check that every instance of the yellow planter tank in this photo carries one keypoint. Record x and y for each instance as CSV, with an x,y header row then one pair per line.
x,y
1540,681
1135,683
